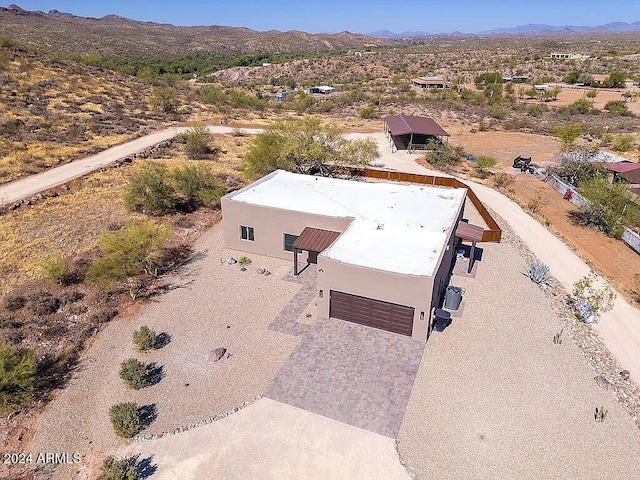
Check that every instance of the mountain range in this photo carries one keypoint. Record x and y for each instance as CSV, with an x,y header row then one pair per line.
x,y
529,29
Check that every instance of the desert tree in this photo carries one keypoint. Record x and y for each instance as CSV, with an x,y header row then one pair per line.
x,y
309,146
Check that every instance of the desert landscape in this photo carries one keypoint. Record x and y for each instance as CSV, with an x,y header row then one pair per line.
x,y
134,348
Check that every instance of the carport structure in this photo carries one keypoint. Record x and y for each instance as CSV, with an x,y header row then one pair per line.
x,y
411,133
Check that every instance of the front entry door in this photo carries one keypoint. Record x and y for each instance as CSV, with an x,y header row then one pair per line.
x,y
313,257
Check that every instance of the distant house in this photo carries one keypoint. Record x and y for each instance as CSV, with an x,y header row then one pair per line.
x,y
542,87
515,78
323,89
431,82
266,64
567,56
282,96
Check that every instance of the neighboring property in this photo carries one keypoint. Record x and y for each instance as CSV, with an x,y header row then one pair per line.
x,y
323,89
384,251
515,78
621,170
431,82
406,132
568,56
282,96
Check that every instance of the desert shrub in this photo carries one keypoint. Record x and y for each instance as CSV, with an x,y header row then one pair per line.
x,y
502,180
126,419
600,299
623,142
611,207
197,142
7,42
568,135
103,316
439,153
43,303
617,107
54,268
71,297
483,163
123,469
144,338
367,112
578,168
606,139
135,249
498,110
17,376
134,373
580,106
198,185
536,110
14,302
163,99
150,191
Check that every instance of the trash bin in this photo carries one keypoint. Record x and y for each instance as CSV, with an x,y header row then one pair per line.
x,y
442,320
453,297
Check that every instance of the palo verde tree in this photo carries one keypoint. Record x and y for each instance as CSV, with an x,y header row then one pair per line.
x,y
308,145
568,135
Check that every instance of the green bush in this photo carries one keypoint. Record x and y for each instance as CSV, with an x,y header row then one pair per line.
x,y
135,249
197,185
150,191
536,110
623,142
134,373
144,338
498,110
617,107
483,163
580,106
611,208
17,376
439,153
198,139
368,112
54,268
126,419
123,469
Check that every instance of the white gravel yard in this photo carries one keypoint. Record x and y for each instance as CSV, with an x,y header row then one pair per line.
x,y
495,398
218,306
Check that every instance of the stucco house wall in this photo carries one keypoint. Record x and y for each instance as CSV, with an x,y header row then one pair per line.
x,y
270,225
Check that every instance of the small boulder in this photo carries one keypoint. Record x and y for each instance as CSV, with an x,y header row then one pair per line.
x,y
231,261
625,374
602,382
217,354
260,271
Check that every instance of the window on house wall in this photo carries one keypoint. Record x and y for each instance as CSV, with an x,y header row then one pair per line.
x,y
246,233
289,241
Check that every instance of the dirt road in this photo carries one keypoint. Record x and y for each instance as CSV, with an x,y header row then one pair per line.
x,y
29,186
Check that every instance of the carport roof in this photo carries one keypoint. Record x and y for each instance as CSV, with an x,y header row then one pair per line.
x,y
406,124
315,239
467,231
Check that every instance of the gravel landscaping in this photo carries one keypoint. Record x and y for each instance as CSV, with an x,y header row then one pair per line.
x,y
215,306
496,398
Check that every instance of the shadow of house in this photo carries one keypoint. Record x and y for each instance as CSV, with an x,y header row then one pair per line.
x,y
404,132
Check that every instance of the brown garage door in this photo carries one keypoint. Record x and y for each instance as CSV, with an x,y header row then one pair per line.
x,y
374,313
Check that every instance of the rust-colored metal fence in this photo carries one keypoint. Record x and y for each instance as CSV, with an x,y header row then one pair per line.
x,y
492,234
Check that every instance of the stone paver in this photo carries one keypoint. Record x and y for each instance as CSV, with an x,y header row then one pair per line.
x,y
358,375
286,320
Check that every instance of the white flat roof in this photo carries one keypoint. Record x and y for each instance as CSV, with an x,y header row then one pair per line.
x,y
397,228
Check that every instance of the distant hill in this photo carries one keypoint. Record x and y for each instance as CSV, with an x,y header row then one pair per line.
x,y
113,35
529,29
541,29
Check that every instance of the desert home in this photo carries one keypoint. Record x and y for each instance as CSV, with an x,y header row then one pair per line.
x,y
383,250
430,82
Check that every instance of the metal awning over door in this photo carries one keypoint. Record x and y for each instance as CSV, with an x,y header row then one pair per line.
x,y
313,240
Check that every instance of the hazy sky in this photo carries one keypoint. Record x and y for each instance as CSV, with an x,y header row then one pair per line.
x,y
361,16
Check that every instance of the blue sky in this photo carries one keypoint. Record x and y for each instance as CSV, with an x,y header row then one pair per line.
x,y
355,15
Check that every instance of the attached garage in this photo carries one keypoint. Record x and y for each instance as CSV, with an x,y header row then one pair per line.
x,y
374,313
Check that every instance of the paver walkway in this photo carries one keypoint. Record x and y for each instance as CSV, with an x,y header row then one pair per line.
x,y
358,375
286,321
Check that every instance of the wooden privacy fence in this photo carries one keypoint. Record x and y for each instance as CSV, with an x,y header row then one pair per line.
x,y
492,234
